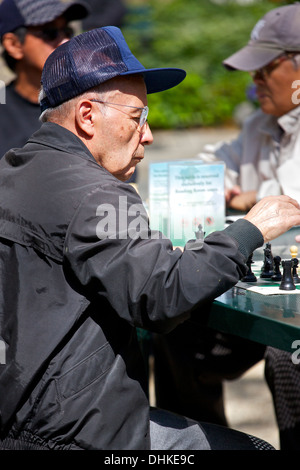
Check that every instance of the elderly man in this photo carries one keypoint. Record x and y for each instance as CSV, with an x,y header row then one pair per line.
x,y
265,160
29,30
81,268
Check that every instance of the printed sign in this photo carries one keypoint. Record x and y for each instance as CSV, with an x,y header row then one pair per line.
x,y
186,197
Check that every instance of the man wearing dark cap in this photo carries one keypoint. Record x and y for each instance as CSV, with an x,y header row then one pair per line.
x,y
81,268
30,30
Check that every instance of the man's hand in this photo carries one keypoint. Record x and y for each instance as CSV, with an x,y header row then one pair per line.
x,y
274,215
230,193
242,202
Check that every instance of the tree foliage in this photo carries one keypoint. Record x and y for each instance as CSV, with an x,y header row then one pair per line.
x,y
196,35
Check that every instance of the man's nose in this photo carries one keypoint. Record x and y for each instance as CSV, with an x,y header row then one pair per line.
x,y
147,136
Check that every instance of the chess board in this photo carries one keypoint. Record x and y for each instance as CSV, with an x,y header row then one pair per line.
x,y
265,286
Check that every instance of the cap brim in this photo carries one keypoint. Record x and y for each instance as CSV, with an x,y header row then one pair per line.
x,y
70,10
160,79
251,58
77,11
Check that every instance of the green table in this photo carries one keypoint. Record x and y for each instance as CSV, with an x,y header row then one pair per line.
x,y
272,320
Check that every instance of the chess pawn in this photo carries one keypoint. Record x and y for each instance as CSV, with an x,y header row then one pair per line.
x,y
287,282
250,276
267,270
294,271
294,251
197,243
199,234
277,274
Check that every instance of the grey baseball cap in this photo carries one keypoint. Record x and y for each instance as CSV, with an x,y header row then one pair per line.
x,y
16,13
276,32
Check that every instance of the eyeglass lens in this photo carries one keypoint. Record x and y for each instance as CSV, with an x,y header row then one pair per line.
x,y
144,114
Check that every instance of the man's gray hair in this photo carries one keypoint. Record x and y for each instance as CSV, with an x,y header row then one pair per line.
x,y
61,111
50,113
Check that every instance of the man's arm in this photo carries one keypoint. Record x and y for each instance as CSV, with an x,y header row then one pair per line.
x,y
137,271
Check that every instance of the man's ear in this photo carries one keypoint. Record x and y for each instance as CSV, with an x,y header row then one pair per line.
x,y
13,45
85,118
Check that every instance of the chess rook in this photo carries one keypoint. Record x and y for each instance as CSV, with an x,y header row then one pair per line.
x,y
287,282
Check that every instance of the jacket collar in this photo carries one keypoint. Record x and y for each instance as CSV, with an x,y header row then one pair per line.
x,y
290,121
58,137
286,124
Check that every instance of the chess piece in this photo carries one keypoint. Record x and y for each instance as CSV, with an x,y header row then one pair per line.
x,y
267,270
199,234
197,243
294,271
287,282
250,276
294,251
277,276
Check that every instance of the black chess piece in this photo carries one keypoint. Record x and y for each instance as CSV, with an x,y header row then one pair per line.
x,y
294,271
250,276
267,270
287,282
277,276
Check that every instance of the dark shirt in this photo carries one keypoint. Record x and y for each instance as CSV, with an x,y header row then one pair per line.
x,y
19,118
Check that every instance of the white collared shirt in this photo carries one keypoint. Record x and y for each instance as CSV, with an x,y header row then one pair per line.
x,y
265,156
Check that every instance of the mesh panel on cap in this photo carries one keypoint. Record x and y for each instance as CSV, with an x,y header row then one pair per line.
x,y
80,64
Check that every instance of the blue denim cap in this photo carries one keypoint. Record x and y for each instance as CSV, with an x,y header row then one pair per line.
x,y
94,57
17,13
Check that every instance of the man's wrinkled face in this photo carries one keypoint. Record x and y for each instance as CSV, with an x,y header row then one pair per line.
x,y
274,85
120,139
41,41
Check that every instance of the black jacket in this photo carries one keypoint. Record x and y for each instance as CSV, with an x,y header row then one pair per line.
x,y
76,281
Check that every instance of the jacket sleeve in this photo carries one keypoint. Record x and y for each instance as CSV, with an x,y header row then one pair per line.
x,y
114,256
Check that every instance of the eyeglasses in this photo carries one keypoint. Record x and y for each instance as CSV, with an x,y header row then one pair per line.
x,y
268,69
143,117
52,34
